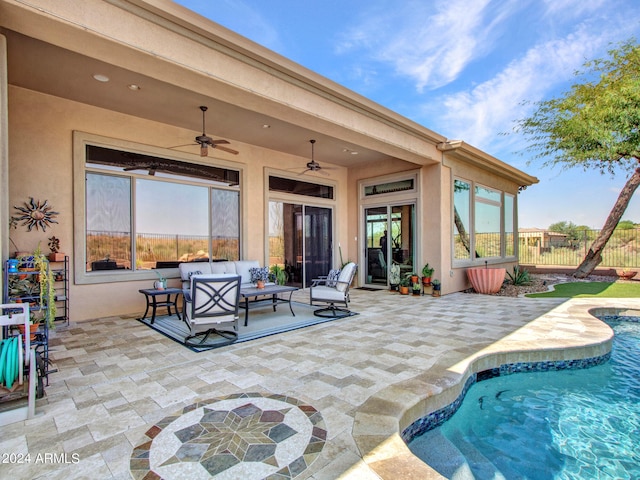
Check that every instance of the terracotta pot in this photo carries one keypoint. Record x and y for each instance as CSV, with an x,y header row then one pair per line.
x,y
56,257
404,290
486,280
33,328
626,274
426,281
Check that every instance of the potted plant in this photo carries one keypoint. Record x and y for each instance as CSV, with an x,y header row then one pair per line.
x,y
427,271
279,274
415,278
404,285
394,276
435,284
416,288
259,276
54,246
45,282
486,280
161,283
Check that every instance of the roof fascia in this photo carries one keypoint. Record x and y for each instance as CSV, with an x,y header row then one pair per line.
x,y
473,156
198,28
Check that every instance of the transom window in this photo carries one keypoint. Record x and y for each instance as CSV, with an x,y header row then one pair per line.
x,y
145,212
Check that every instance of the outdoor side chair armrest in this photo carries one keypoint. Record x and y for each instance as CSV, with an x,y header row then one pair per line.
x,y
321,280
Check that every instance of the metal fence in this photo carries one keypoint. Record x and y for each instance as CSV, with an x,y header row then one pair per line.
x,y
543,247
536,247
154,248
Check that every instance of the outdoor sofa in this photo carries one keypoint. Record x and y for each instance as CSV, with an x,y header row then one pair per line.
x,y
238,267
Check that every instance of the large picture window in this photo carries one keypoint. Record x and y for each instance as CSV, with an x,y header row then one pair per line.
x,y
145,213
484,222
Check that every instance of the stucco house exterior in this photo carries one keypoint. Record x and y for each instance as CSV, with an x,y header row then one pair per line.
x,y
99,113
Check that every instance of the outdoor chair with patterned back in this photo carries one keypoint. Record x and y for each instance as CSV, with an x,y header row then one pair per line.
x,y
331,291
213,300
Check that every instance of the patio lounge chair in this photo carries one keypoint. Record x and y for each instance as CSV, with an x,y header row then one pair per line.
x,y
211,301
332,292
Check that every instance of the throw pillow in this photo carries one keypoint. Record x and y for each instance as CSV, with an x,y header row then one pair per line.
x,y
332,278
195,272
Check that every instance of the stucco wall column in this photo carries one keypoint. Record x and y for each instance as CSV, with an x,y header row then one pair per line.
x,y
4,152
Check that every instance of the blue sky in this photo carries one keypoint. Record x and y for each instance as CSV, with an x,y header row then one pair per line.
x,y
462,68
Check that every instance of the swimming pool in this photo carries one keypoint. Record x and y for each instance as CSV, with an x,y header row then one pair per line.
x,y
569,424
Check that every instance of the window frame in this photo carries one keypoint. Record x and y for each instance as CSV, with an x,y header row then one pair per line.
x,y
474,199
80,142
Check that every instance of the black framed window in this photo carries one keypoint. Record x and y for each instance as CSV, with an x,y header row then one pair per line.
x,y
145,212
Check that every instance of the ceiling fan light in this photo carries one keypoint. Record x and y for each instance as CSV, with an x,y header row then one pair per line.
x,y
204,151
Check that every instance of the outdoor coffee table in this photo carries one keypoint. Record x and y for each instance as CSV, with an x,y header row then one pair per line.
x,y
152,294
273,290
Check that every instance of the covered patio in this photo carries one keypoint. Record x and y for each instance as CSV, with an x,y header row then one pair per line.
x,y
364,378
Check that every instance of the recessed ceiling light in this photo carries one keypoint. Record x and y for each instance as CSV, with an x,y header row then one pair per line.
x,y
352,152
100,77
133,87
266,125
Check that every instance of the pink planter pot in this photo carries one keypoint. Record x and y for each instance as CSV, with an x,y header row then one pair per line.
x,y
486,280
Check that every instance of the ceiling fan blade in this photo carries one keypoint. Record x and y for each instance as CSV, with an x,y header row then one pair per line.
x,y
217,142
225,149
185,145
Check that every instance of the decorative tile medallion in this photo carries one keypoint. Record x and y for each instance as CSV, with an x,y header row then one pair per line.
x,y
248,435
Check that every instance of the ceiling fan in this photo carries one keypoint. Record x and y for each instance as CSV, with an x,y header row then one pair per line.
x,y
151,167
313,166
206,141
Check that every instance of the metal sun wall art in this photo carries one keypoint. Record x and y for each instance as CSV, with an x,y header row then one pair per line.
x,y
36,214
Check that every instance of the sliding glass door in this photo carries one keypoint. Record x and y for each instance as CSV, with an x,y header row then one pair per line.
x,y
300,240
390,239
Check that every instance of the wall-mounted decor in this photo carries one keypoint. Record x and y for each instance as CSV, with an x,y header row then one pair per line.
x,y
35,214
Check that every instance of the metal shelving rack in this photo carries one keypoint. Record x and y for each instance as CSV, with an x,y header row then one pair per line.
x,y
60,272
61,276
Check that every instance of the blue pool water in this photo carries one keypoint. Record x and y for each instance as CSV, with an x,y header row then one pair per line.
x,y
571,424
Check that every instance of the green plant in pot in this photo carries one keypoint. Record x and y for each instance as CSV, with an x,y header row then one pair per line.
x,y
279,274
435,283
416,288
54,246
427,271
46,284
405,282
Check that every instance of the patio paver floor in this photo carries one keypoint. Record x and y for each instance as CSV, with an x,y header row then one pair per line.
x,y
364,375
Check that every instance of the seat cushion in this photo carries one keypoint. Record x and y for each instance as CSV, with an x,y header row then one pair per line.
x,y
327,294
187,269
223,267
242,269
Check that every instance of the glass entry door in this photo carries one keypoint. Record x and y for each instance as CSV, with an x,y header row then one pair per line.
x,y
300,240
390,239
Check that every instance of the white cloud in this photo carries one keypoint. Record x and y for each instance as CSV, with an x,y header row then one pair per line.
x,y
430,43
574,8
479,114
